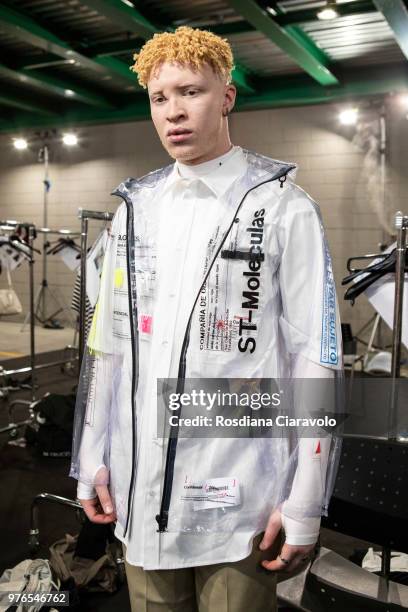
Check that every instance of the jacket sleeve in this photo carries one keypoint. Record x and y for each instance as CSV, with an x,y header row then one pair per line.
x,y
310,320
90,445
310,326
308,482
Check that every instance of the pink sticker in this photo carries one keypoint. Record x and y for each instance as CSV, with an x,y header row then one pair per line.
x,y
146,324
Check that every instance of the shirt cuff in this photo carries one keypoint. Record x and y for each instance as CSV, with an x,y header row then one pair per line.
x,y
301,532
85,491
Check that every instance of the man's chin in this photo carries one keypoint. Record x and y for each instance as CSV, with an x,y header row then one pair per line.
x,y
185,152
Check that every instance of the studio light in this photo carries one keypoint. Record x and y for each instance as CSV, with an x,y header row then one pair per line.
x,y
348,116
20,143
328,12
70,139
403,100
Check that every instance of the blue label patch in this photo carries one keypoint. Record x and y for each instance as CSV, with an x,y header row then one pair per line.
x,y
328,346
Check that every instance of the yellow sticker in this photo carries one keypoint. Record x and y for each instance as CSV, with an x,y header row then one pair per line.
x,y
92,332
119,277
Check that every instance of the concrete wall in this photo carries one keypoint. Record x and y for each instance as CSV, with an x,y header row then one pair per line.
x,y
331,170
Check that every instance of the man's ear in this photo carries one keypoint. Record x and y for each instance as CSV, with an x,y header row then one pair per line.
x,y
230,95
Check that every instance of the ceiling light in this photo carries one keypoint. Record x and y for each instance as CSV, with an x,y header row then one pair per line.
x,y
20,143
349,116
69,93
70,139
328,12
403,100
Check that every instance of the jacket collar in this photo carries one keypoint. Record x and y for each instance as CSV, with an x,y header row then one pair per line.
x,y
261,168
217,174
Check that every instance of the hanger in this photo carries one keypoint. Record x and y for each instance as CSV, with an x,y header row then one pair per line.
x,y
60,244
371,274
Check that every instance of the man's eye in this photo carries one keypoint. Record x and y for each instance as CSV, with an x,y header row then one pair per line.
x,y
160,99
191,92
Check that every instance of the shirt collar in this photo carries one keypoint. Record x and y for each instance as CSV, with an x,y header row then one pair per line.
x,y
217,174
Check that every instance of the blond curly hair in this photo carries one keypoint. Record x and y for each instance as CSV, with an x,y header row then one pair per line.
x,y
186,46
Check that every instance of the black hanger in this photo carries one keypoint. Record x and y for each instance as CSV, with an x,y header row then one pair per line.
x,y
61,244
372,274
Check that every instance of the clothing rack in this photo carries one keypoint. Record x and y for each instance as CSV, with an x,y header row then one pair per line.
x,y
85,216
44,283
401,225
11,226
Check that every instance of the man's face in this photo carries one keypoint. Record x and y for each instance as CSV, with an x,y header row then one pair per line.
x,y
187,111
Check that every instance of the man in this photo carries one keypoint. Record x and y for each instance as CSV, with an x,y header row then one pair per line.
x,y
217,268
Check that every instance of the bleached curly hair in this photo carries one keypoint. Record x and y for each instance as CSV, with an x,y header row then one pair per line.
x,y
186,46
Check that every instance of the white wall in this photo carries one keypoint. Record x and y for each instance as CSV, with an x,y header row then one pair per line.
x,y
330,170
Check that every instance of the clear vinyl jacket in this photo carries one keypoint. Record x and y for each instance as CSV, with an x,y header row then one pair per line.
x,y
265,307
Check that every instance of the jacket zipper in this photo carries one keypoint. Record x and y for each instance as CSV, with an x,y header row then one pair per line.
x,y
163,517
133,338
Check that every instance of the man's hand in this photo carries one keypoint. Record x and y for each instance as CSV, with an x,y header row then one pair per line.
x,y
99,509
293,556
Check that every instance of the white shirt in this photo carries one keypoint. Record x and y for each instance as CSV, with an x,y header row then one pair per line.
x,y
191,203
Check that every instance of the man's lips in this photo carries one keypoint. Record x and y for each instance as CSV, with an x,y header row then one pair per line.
x,y
180,136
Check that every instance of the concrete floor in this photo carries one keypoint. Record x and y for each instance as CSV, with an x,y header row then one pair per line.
x,y
16,343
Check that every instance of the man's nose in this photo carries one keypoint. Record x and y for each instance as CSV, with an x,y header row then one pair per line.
x,y
175,109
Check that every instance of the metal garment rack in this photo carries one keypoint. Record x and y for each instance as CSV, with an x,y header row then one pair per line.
x,y
44,283
85,216
401,225
9,225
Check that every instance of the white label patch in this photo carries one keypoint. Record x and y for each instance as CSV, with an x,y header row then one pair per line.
x,y
213,493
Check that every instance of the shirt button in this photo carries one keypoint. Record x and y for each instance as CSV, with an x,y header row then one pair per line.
x,y
165,342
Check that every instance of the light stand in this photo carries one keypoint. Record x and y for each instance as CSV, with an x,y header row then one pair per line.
x,y
44,291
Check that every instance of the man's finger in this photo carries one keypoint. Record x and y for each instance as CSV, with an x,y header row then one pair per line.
x,y
272,529
288,559
96,516
94,511
105,498
282,561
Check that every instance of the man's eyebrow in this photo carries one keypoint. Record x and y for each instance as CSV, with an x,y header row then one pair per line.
x,y
160,91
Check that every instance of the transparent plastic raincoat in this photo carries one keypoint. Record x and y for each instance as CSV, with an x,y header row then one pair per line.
x,y
264,300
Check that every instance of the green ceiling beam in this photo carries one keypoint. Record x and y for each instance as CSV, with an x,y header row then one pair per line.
x,y
295,91
52,85
39,60
299,91
242,79
25,105
396,14
26,29
307,15
228,29
313,61
115,47
135,112
126,16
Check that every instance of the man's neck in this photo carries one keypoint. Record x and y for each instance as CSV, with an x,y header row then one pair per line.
x,y
207,157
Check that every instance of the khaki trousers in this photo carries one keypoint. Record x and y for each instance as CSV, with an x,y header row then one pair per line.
x,y
224,587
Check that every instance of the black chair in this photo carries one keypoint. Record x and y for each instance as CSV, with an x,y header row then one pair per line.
x,y
370,502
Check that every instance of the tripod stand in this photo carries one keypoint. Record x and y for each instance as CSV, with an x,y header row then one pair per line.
x,y
45,292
